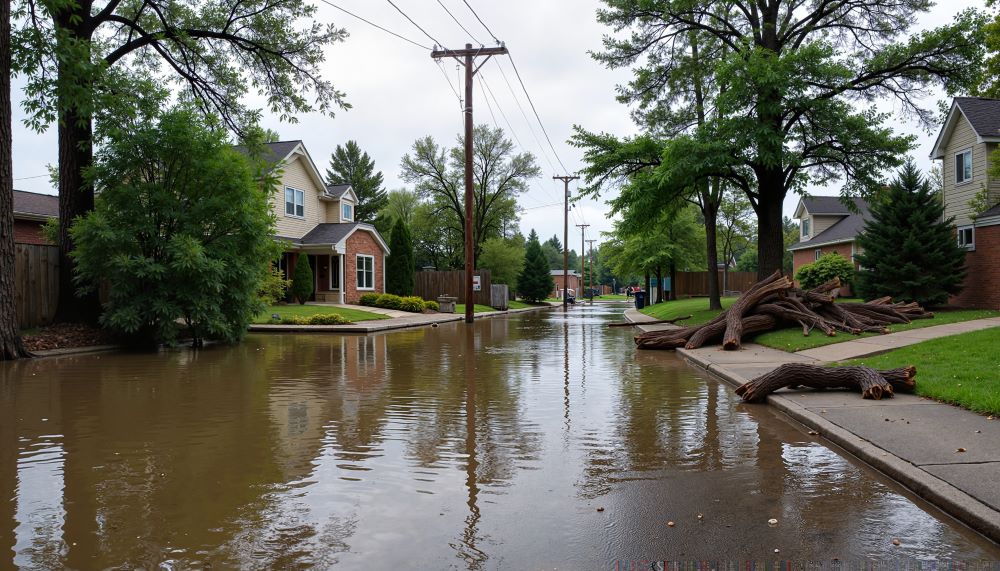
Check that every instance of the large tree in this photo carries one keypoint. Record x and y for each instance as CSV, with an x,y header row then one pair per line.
x,y
399,267
796,81
80,57
10,337
535,282
349,165
499,175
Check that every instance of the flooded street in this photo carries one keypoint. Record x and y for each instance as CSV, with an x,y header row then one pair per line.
x,y
537,441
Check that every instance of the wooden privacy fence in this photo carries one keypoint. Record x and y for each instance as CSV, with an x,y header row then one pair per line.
x,y
431,284
696,283
499,297
36,284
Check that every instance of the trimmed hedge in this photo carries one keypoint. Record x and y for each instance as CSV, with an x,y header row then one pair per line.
x,y
432,306
318,319
412,304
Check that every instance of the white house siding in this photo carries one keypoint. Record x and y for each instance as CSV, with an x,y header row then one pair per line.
x,y
957,197
333,212
296,176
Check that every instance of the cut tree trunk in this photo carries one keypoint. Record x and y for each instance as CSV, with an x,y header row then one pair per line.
x,y
872,383
734,317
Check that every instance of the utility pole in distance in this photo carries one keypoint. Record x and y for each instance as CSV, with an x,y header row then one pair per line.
x,y
583,253
591,244
565,179
467,57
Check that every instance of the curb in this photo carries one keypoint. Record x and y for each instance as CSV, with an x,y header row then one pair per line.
x,y
75,351
956,503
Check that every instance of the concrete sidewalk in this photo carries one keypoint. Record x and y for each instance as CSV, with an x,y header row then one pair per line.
x,y
913,440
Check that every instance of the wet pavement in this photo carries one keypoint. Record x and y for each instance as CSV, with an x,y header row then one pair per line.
x,y
536,441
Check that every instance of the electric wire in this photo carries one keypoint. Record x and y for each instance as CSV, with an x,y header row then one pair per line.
x,y
530,102
405,15
487,28
31,177
370,23
450,84
464,29
527,121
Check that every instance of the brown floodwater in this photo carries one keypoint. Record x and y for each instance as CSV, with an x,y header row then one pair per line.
x,y
531,442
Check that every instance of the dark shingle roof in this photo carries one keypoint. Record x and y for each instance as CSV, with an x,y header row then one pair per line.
x,y
832,205
274,152
843,231
995,211
983,114
34,203
328,233
337,190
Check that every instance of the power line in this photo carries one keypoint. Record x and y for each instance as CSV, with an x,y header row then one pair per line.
x,y
490,32
450,84
370,23
414,23
459,23
530,102
527,121
30,177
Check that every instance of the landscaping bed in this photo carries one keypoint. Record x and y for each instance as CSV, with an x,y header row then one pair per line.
x,y
960,369
64,336
308,311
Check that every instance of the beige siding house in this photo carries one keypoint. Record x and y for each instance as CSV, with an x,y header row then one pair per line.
x,y
827,224
317,220
970,134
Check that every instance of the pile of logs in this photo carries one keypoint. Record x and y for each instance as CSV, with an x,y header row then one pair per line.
x,y
775,303
872,383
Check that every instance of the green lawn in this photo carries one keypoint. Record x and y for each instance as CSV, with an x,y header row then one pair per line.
x,y
961,369
460,308
696,307
295,310
612,296
518,304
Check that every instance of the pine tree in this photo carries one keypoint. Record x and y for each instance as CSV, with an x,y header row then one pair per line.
x,y
400,265
302,280
348,165
535,282
909,251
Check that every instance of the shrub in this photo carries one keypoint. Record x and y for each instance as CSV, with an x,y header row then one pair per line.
x,y
290,320
302,280
413,304
432,306
389,301
369,299
400,265
328,319
827,267
273,288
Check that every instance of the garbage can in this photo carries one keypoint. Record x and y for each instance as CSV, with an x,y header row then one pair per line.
x,y
640,299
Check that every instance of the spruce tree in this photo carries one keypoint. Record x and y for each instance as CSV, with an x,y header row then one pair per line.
x,y
349,165
400,265
535,282
302,280
909,251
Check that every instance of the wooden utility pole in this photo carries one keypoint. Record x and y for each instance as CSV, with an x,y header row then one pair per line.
x,y
583,253
467,57
565,179
591,273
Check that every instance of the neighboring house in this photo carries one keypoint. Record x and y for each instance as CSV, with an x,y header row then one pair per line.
x,y
971,132
827,225
572,283
315,220
31,211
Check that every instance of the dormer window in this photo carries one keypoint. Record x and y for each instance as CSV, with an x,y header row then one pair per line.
x,y
963,166
294,203
805,226
347,212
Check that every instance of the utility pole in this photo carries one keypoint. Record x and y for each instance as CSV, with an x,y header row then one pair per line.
x,y
467,57
591,244
565,179
583,252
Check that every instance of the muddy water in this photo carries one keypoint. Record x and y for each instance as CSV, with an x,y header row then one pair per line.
x,y
436,448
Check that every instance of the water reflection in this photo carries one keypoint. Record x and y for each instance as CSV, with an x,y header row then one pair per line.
x,y
453,447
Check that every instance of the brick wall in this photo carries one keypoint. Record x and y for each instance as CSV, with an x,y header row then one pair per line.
x,y
28,232
362,242
574,283
808,256
982,282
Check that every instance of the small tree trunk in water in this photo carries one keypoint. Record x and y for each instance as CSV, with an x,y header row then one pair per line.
x,y
711,213
770,234
11,346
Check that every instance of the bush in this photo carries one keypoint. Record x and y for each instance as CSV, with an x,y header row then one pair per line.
x,y
827,267
389,301
432,306
302,280
328,319
413,304
273,288
369,299
288,320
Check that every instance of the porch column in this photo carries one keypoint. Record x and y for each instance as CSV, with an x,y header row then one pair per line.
x,y
343,280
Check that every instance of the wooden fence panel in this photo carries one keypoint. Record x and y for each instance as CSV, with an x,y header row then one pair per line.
x,y
499,296
36,284
430,285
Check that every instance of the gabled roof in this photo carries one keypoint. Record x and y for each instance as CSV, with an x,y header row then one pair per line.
x,y
846,230
35,206
337,191
278,153
572,273
983,116
828,206
336,235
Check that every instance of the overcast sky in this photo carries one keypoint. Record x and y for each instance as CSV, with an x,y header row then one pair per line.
x,y
398,94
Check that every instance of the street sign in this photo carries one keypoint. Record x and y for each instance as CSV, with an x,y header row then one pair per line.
x,y
477,284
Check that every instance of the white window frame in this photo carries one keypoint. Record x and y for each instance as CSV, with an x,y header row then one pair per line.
x,y
301,196
806,223
818,253
364,272
343,217
961,171
335,268
960,234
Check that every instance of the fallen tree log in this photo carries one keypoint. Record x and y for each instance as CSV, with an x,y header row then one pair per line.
x,y
871,383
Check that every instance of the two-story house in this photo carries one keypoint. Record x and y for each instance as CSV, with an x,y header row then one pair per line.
x,y
970,134
317,220
827,225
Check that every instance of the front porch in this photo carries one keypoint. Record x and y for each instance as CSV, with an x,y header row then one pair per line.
x,y
327,268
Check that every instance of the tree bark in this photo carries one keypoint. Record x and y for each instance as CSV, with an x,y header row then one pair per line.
x,y
711,213
659,285
11,346
872,383
770,233
646,286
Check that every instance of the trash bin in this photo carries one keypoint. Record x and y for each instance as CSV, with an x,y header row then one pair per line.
x,y
446,303
640,299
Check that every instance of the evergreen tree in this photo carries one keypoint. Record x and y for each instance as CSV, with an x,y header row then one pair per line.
x,y
400,266
302,280
535,282
348,165
908,251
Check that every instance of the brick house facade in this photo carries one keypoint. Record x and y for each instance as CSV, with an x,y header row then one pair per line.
x,y
31,211
572,283
828,225
317,220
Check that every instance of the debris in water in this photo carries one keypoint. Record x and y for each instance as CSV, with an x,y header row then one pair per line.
x,y
670,524
777,551
960,450
813,433
600,509
895,541
772,522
